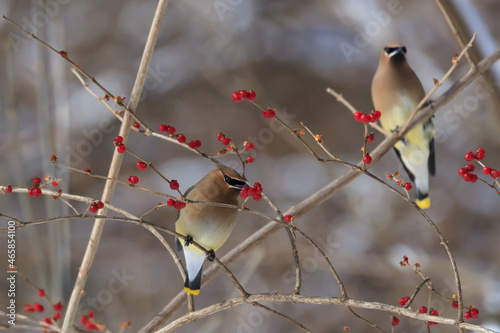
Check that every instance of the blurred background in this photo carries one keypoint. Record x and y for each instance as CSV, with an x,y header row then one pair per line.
x,y
289,52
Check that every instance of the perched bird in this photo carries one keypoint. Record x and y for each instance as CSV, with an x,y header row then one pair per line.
x,y
396,92
209,226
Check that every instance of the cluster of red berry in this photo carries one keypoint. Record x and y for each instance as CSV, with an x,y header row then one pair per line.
x,y
35,190
466,173
367,118
240,95
118,142
90,323
422,309
255,192
37,307
176,204
193,144
95,206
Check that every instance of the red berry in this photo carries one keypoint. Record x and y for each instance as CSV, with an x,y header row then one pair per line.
x,y
404,300
174,185
41,293
37,192
479,156
454,304
469,156
87,170
38,307
474,313
84,319
470,167
473,178
58,307
243,194
170,202
480,150
486,170
179,205
91,314
258,187
377,114
423,309
257,197
121,148
181,138
467,315
171,130
495,173
28,308
226,141
467,177
288,218
370,138
136,125
220,136
57,316
55,183
93,207
236,96
91,327
269,113
133,179
118,139
100,204
364,118
251,95
47,320
249,146
163,128
407,186
463,171
367,159
193,144
37,180
357,115
249,160
395,321
141,165
8,189
372,117
242,94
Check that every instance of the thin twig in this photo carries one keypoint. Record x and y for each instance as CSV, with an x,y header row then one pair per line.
x,y
296,323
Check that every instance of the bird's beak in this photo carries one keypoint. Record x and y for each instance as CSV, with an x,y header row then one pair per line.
x,y
396,51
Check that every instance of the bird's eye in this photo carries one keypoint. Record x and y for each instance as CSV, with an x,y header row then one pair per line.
x,y
389,50
235,183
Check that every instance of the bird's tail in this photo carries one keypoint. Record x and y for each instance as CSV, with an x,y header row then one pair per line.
x,y
423,201
194,267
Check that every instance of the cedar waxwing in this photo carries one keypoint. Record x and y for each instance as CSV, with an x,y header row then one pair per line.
x,y
209,226
396,92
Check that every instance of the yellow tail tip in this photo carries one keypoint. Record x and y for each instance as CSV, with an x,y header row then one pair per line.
x,y
424,203
194,292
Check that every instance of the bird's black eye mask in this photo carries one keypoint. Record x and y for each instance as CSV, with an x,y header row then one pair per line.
x,y
394,50
234,183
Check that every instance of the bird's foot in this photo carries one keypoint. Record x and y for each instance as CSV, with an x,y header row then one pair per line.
x,y
211,255
188,240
